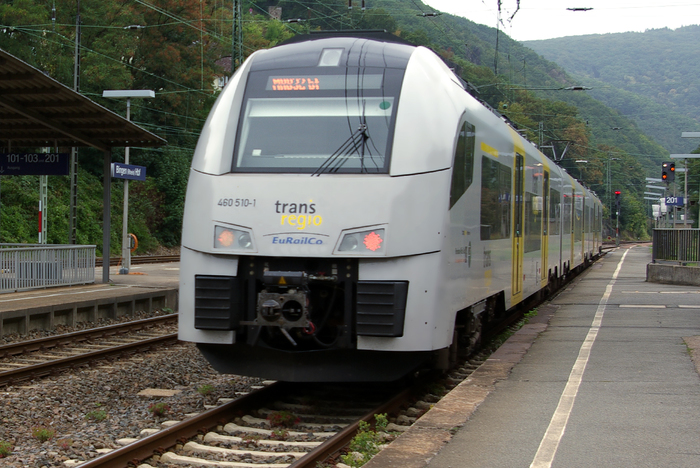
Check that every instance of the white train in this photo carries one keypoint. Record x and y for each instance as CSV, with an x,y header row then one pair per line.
x,y
352,213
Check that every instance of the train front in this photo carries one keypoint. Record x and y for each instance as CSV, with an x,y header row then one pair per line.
x,y
295,262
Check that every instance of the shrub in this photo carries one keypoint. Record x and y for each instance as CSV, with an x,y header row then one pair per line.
x,y
64,444
366,442
96,415
283,419
158,409
279,434
5,449
43,433
205,389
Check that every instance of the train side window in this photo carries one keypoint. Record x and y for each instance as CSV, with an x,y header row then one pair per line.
x,y
555,213
578,216
495,199
463,170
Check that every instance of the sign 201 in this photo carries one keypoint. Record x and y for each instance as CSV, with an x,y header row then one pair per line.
x,y
674,201
237,202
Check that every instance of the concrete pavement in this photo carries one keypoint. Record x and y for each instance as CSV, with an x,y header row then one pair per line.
x,y
609,383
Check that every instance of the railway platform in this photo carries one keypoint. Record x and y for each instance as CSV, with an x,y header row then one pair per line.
x,y
147,287
603,376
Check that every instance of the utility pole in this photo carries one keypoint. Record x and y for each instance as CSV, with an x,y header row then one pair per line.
x,y
73,176
237,37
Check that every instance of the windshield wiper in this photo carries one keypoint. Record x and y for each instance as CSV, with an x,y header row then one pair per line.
x,y
352,145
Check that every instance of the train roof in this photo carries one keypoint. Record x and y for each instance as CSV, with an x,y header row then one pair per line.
x,y
369,48
380,35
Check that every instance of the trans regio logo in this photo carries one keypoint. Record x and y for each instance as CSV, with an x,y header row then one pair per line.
x,y
299,216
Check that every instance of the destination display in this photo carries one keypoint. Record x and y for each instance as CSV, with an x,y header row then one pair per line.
x,y
323,82
34,163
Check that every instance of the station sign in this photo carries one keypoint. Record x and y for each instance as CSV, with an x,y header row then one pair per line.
x,y
674,201
128,171
34,164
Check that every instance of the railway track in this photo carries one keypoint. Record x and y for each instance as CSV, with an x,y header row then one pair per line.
x,y
236,434
140,260
32,359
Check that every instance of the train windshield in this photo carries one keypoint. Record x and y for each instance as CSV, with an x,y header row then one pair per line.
x,y
304,121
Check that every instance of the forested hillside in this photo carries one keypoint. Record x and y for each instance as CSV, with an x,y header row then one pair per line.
x,y
653,77
182,48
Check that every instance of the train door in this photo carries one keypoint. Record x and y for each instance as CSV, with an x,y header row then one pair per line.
x,y
544,276
518,227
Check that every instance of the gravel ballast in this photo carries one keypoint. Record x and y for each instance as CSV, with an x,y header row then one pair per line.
x,y
87,410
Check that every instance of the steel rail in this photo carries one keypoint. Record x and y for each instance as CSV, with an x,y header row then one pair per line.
x,y
50,366
336,443
13,349
158,443
140,260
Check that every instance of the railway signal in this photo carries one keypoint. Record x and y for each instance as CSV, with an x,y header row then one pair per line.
x,y
668,171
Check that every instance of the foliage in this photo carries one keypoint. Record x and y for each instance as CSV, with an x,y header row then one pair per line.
x,y
5,449
381,422
647,76
366,442
64,444
181,48
283,419
279,434
96,415
42,433
159,409
205,389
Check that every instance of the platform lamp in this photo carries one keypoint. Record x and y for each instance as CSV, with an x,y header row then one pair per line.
x,y
127,94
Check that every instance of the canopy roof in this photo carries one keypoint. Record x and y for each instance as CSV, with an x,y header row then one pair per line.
x,y
36,110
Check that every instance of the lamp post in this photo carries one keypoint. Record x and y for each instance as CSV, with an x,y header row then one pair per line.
x,y
126,249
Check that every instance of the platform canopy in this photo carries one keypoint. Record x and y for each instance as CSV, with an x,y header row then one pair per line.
x,y
38,111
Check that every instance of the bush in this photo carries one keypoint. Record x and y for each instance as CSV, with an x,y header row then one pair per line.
x,y
43,433
96,415
159,409
283,419
5,449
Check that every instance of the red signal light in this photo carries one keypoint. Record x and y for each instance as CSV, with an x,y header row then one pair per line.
x,y
617,192
373,241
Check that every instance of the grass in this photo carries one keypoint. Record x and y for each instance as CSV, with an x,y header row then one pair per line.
x,y
366,442
96,415
158,409
5,449
43,433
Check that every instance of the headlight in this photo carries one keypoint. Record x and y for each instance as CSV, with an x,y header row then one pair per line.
x,y
363,243
232,239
